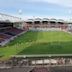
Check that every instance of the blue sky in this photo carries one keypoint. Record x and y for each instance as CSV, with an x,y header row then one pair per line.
x,y
37,8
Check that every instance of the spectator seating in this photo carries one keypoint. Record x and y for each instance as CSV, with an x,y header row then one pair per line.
x,y
9,34
40,69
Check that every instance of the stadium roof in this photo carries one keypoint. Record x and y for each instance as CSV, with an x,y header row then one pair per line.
x,y
9,18
60,20
45,19
29,20
37,19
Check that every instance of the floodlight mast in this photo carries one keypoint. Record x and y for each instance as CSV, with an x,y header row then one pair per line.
x,y
20,13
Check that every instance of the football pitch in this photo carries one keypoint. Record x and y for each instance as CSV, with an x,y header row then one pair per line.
x,y
30,43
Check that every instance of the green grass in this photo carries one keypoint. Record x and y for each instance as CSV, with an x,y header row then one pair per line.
x,y
39,43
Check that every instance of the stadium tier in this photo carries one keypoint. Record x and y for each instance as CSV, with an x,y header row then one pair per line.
x,y
56,63
40,69
46,23
8,34
10,29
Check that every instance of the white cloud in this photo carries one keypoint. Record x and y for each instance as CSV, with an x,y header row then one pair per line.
x,y
66,3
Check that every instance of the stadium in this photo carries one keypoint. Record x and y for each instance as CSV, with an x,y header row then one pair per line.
x,y
35,45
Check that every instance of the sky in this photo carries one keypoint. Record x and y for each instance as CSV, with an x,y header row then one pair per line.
x,y
37,8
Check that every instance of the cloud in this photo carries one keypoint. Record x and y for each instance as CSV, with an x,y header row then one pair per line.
x,y
66,3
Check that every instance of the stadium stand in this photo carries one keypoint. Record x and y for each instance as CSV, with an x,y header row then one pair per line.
x,y
13,31
40,69
46,24
9,34
10,28
4,37
42,64
16,69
